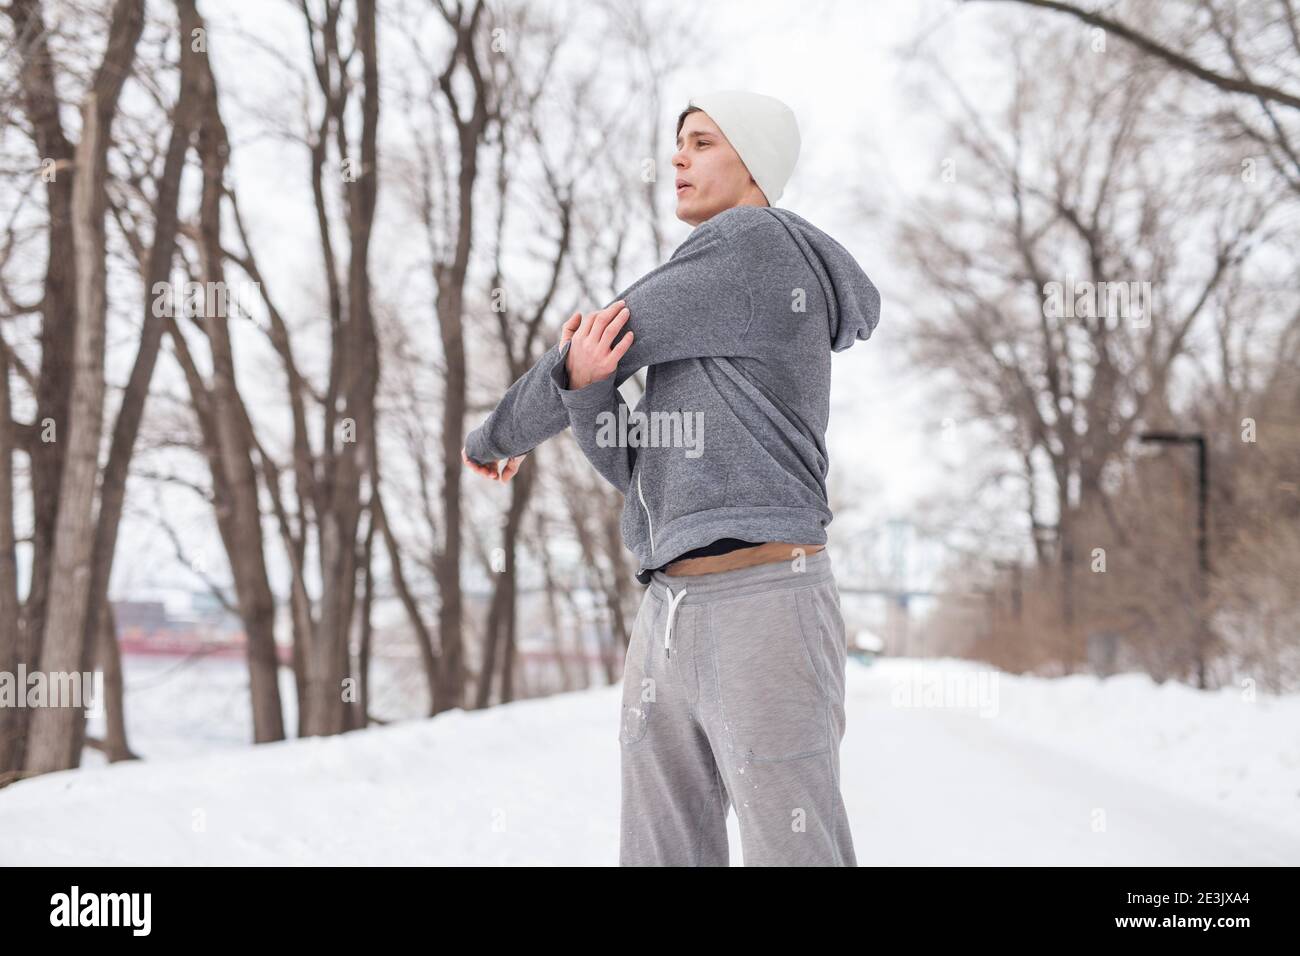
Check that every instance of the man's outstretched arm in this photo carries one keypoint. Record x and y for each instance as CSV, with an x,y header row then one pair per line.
x,y
530,412
526,416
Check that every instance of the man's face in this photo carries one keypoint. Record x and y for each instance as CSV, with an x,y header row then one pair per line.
x,y
717,178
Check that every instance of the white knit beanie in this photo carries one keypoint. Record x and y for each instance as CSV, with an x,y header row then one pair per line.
x,y
761,129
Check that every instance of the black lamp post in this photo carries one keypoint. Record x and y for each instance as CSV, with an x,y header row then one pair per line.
x,y
1202,542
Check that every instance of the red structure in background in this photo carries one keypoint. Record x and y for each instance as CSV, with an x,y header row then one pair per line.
x,y
149,628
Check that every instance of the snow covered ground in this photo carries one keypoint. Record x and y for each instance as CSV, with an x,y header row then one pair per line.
x,y
944,762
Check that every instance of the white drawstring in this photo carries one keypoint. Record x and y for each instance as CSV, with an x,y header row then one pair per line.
x,y
672,610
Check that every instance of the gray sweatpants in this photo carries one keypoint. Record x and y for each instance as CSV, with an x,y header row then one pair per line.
x,y
733,696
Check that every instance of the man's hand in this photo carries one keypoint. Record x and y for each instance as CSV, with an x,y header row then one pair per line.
x,y
566,332
592,356
503,474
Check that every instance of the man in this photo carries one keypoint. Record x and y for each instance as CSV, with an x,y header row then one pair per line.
x,y
733,687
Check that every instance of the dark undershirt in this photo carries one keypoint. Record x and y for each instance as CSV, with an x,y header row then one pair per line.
x,y
720,546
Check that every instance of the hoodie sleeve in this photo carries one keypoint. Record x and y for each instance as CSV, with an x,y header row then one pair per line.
x,y
585,406
529,413
695,305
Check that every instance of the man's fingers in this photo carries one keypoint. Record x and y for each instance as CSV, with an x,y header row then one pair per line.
x,y
619,350
590,357
615,324
487,471
512,466
604,315
571,326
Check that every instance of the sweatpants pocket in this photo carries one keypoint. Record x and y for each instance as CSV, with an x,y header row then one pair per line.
x,y
770,690
638,686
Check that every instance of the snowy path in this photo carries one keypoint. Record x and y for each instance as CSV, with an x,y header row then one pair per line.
x,y
982,796
536,782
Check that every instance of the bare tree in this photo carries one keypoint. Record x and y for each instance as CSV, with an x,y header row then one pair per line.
x,y
1255,40
156,270
53,379
1068,390
53,736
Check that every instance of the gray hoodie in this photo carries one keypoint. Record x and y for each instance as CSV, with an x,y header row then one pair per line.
x,y
729,440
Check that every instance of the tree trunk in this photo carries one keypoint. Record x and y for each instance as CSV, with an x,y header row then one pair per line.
x,y
9,607
64,651
110,661
246,546
58,329
157,271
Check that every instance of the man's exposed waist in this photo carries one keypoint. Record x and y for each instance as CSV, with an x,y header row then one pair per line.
x,y
764,553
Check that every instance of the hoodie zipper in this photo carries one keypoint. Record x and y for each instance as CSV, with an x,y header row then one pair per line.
x,y
648,522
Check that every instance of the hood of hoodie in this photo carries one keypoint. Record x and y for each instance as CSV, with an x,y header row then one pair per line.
x,y
854,301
